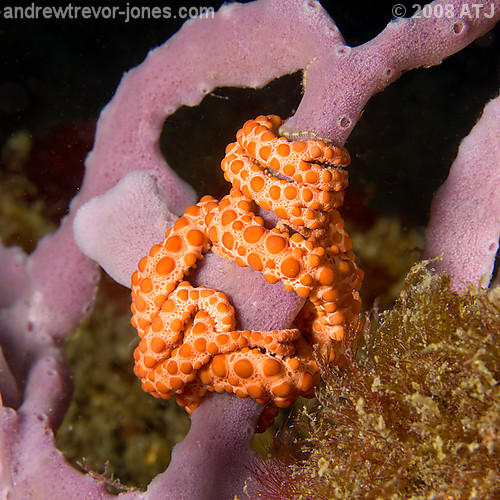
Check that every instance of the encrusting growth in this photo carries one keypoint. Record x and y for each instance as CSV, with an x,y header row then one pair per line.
x,y
189,341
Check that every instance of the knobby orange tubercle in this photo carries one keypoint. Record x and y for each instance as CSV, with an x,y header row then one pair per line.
x,y
190,343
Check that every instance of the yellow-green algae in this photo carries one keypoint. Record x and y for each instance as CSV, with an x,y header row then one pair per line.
x,y
414,413
112,426
386,252
22,222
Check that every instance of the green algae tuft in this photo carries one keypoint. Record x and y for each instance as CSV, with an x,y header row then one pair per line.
x,y
414,412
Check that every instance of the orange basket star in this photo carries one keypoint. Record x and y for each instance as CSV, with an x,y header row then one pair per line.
x,y
189,341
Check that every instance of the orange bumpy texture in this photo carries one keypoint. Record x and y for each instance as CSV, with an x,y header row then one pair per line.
x,y
189,341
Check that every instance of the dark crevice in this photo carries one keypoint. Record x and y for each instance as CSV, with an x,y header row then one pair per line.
x,y
194,139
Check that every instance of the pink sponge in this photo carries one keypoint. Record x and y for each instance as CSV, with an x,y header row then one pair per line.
x,y
103,225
